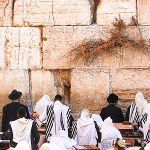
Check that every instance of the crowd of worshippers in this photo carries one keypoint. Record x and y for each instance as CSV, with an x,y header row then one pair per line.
x,y
63,131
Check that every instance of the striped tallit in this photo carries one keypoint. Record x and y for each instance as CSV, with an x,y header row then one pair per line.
x,y
68,115
50,120
134,116
74,129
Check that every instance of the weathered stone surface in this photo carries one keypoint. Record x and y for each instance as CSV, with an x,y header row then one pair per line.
x,y
13,79
89,89
73,12
42,83
50,83
50,12
6,9
143,12
127,82
20,47
58,41
134,57
109,10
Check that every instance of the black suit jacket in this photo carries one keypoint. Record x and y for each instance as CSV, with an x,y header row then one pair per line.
x,y
112,111
10,114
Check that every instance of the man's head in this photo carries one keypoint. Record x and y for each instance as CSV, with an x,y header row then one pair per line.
x,y
58,98
22,113
15,95
112,98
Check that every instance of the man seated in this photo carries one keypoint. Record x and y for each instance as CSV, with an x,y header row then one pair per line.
x,y
86,131
24,129
109,134
112,110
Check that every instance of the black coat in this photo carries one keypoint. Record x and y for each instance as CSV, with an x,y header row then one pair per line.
x,y
10,114
112,111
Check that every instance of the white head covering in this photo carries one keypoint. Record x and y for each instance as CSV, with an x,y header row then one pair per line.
x,y
98,119
85,118
109,131
22,146
62,140
140,102
42,104
51,146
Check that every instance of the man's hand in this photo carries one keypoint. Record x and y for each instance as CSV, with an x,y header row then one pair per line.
x,y
35,115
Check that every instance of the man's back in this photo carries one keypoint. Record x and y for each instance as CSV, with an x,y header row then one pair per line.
x,y
112,111
10,114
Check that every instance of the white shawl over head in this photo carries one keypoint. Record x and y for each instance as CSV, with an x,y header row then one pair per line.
x,y
109,131
86,132
42,104
98,119
140,102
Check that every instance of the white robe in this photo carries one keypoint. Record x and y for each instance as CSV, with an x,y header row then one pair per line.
x,y
137,108
86,132
109,131
58,109
109,134
41,105
146,125
21,129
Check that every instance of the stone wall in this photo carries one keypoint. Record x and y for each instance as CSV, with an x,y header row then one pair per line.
x,y
36,35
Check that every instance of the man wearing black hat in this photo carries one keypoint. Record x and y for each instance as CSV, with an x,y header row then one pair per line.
x,y
10,110
112,110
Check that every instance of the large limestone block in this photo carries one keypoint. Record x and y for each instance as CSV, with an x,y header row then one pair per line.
x,y
50,12
20,47
6,12
143,12
51,83
127,82
42,83
89,89
109,10
59,41
33,12
14,79
73,12
134,57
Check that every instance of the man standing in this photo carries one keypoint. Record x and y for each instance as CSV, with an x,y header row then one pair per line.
x,y
10,110
57,116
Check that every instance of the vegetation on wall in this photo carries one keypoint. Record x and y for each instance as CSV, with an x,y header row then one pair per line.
x,y
88,51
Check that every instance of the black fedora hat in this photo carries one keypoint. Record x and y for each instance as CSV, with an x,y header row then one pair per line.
x,y
15,95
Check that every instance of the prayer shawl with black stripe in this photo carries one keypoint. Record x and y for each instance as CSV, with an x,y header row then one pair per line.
x,y
145,127
51,119
134,116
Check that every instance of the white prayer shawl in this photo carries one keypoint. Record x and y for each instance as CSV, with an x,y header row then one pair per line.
x,y
86,132
109,131
146,123
51,146
137,108
63,138
21,129
98,119
134,116
147,147
22,146
140,102
42,104
58,109
60,112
